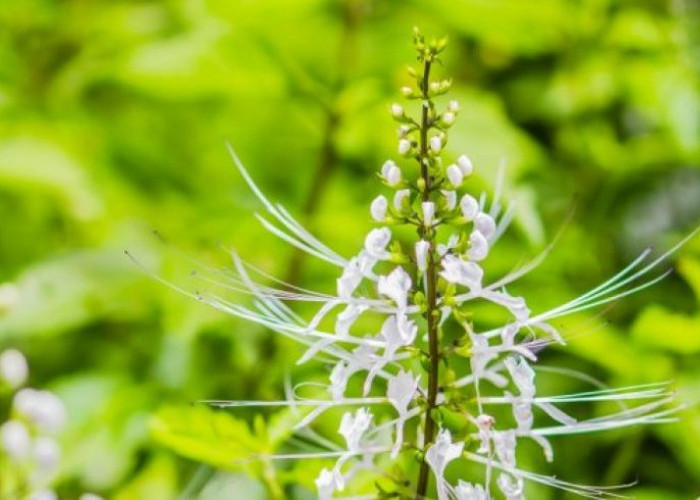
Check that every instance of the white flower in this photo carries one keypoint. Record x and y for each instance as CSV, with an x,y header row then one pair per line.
x,y
478,247
523,376
401,389
350,279
46,453
398,331
404,146
44,408
485,423
455,175
468,491
512,487
378,208
485,224
436,143
422,248
44,494
347,317
439,455
376,242
428,208
453,106
13,368
465,165
448,118
469,206
402,196
458,271
396,110
450,198
15,439
326,483
352,427
391,173
396,286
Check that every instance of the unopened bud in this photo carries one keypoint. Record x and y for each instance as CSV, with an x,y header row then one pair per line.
x,y
465,164
454,174
378,208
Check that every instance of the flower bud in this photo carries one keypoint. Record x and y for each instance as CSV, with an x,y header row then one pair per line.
x,y
448,118
453,106
404,146
46,453
478,247
391,173
465,165
407,91
485,224
378,208
396,110
14,439
43,408
422,248
428,213
403,130
401,199
454,174
469,206
436,143
13,368
450,199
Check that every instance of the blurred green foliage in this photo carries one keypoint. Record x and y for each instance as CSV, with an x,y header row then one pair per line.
x,y
113,117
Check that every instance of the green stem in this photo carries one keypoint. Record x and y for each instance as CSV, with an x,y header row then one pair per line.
x,y
431,311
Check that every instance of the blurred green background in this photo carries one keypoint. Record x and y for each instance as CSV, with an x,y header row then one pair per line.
x,y
113,121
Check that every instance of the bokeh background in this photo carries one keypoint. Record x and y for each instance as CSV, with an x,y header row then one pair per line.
x,y
113,122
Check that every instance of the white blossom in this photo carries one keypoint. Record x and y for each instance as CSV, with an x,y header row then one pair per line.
x,y
478,247
376,243
378,208
485,224
352,427
327,483
46,453
13,368
469,491
465,164
428,213
435,143
401,198
391,173
404,146
15,439
448,118
450,198
453,106
396,286
458,271
439,455
44,408
422,248
469,206
397,110
455,175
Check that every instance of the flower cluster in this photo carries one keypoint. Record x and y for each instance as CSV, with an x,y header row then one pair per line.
x,y
28,448
458,392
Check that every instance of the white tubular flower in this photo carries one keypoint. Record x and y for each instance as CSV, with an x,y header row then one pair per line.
x,y
401,199
349,280
46,453
450,199
448,118
14,369
465,165
396,286
469,491
15,439
378,208
454,175
376,243
439,455
401,390
422,249
511,486
391,173
327,483
478,247
460,272
436,143
453,106
485,423
353,427
397,110
469,206
346,318
428,208
523,376
43,408
404,147
485,224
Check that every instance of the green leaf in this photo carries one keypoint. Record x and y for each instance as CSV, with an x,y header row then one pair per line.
x,y
659,328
